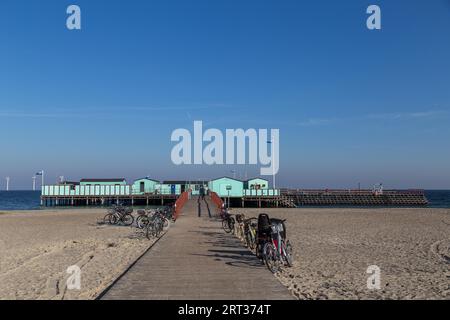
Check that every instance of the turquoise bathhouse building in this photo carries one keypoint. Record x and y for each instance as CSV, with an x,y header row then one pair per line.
x,y
144,185
235,188
227,187
223,186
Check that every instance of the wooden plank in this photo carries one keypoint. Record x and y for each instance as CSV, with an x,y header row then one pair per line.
x,y
196,259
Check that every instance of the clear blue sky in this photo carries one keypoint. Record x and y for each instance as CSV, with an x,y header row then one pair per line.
x,y
352,105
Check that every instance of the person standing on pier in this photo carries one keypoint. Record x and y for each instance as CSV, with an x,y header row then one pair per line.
x,y
202,192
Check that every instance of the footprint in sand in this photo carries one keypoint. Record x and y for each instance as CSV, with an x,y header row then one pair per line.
x,y
441,249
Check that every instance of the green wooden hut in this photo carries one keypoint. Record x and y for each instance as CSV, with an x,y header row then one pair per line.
x,y
227,187
144,185
256,184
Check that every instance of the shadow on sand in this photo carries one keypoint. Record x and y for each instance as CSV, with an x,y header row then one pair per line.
x,y
228,250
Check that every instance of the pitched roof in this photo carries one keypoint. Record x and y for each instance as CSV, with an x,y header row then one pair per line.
x,y
69,182
185,182
103,180
256,178
227,178
147,178
175,182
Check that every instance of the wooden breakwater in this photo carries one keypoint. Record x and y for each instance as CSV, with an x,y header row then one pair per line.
x,y
388,198
287,198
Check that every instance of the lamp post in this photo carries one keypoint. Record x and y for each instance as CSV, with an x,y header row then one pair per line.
x,y
228,189
273,159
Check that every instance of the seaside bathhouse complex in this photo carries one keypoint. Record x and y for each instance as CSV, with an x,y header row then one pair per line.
x,y
255,192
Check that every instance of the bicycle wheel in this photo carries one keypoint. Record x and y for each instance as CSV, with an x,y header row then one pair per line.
x,y
248,241
232,225
239,232
138,221
242,233
166,224
156,229
127,219
114,219
160,227
107,219
251,240
287,253
226,226
149,230
270,257
141,221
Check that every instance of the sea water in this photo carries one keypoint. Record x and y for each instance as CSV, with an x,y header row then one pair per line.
x,y
30,200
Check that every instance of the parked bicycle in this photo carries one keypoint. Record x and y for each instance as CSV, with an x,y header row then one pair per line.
x,y
169,212
228,221
165,215
240,226
155,225
143,217
250,229
119,214
276,249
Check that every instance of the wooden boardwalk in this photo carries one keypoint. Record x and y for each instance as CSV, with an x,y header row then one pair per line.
x,y
197,260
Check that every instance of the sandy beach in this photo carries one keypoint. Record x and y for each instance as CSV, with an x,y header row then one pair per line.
x,y
334,247
37,247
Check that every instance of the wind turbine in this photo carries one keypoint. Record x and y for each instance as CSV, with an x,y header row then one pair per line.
x,y
7,183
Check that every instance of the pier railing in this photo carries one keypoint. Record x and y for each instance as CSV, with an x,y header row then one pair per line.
x,y
216,200
102,190
261,192
85,190
179,204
